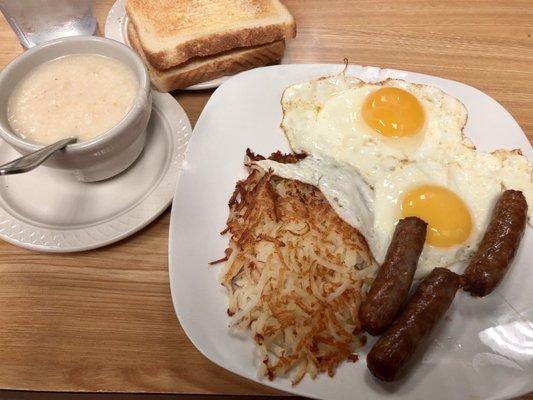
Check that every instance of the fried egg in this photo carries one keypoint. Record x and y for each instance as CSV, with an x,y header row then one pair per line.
x,y
381,152
455,202
361,124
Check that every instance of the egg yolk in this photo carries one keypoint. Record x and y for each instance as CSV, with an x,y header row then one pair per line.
x,y
447,216
393,112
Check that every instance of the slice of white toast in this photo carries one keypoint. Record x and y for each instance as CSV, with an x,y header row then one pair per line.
x,y
171,32
206,68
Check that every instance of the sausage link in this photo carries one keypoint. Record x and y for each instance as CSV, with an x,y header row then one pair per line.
x,y
498,246
428,304
393,281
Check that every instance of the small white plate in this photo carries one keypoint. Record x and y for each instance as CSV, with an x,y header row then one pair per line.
x,y
49,210
484,347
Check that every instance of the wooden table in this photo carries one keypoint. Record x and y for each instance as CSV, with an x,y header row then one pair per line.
x,y
103,320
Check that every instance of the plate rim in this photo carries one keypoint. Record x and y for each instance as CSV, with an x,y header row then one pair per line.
x,y
173,257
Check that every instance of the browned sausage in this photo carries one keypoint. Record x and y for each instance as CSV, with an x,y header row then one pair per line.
x,y
498,246
393,281
425,308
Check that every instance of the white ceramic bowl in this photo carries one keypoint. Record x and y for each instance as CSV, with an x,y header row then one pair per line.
x,y
107,154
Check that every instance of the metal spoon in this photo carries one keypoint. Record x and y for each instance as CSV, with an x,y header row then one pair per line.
x,y
30,161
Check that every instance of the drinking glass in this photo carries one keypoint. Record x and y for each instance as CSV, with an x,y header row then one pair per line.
x,y
36,21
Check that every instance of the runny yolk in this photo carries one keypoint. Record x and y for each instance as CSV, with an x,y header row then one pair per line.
x,y
393,112
447,216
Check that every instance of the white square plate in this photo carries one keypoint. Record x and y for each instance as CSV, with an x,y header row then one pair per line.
x,y
483,349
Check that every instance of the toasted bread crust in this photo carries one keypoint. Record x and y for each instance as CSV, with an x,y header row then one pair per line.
x,y
211,43
217,44
203,69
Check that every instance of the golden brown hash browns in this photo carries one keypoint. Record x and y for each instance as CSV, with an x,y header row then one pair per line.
x,y
294,274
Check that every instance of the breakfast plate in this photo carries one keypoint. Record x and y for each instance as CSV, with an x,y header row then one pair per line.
x,y
483,349
49,210
116,29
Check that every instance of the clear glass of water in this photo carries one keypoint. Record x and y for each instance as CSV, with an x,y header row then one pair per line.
x,y
36,21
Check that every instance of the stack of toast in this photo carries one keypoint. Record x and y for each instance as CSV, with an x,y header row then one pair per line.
x,y
185,42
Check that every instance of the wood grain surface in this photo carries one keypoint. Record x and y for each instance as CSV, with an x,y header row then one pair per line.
x,y
103,320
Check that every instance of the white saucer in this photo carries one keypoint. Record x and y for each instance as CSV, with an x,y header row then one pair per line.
x,y
116,29
49,210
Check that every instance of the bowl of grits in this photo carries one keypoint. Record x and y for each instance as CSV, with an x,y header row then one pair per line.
x,y
91,88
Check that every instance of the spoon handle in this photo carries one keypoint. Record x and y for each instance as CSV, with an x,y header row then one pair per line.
x,y
30,161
